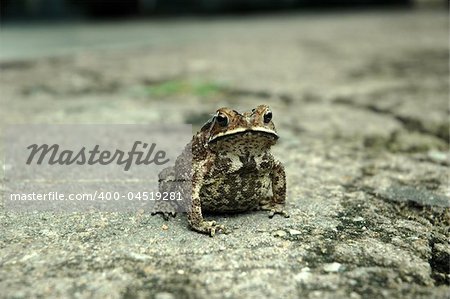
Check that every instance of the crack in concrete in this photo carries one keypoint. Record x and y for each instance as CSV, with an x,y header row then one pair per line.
x,y
439,259
409,123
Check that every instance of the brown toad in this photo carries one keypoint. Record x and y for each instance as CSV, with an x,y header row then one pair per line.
x,y
232,168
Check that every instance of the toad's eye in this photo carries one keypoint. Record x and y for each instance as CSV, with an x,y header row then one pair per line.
x,y
267,117
222,120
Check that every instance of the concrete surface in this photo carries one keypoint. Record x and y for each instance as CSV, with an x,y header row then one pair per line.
x,y
360,101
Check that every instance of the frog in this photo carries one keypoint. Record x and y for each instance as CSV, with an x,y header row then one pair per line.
x,y
229,168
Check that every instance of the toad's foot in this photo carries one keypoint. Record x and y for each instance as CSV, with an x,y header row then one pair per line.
x,y
165,215
275,209
210,228
165,209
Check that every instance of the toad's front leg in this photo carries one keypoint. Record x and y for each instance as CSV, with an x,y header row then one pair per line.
x,y
194,212
275,204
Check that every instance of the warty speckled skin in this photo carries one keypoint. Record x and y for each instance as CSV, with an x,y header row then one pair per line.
x,y
232,168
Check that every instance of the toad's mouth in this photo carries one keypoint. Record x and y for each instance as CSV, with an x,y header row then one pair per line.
x,y
245,133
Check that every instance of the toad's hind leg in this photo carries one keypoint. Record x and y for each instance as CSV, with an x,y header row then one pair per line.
x,y
275,203
167,183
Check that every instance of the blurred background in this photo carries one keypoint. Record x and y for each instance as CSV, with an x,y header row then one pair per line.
x,y
165,61
144,61
63,9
